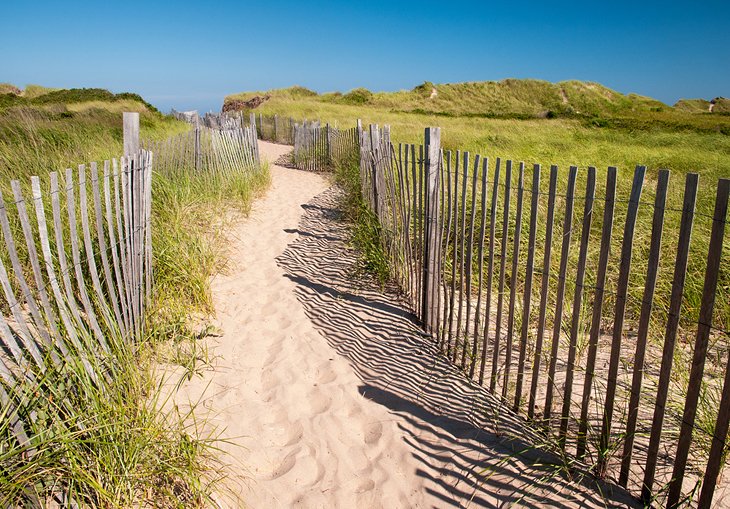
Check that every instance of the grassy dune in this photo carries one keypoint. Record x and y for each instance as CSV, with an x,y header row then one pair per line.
x,y
568,124
130,454
604,129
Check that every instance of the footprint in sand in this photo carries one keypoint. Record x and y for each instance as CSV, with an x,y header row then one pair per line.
x,y
296,432
320,403
373,432
289,461
366,485
325,374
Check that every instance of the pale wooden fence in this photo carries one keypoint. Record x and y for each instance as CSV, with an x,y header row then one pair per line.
x,y
564,340
207,150
76,261
75,268
320,148
274,128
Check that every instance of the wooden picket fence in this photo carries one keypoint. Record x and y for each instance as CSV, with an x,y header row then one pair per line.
x,y
207,150
273,128
320,148
605,382
70,287
89,282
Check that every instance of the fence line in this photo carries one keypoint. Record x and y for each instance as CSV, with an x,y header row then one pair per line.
x,y
76,257
320,148
598,388
580,374
64,304
207,151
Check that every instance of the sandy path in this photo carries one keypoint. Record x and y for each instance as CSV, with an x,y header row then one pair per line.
x,y
301,432
331,397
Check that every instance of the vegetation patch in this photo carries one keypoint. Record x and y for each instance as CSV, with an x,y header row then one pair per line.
x,y
121,444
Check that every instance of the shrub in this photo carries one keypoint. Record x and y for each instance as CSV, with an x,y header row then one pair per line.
x,y
358,96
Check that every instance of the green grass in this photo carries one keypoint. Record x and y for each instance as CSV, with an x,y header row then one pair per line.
x,y
113,445
366,231
105,443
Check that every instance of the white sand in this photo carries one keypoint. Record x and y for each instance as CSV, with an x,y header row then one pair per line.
x,y
284,397
326,391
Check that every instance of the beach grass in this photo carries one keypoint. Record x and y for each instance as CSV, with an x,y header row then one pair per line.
x,y
121,443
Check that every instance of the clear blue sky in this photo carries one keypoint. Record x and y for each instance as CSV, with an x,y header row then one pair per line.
x,y
190,54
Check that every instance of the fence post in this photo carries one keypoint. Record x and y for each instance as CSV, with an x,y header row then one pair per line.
x,y
130,121
359,133
252,121
375,151
276,127
197,146
432,255
329,143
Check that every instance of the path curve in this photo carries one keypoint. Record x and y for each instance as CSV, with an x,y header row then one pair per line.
x,y
301,434
330,397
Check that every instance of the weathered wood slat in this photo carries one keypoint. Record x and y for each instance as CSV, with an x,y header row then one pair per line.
x,y
480,255
618,323
502,270
76,257
670,335
606,233
560,291
513,283
527,292
432,244
64,269
454,257
469,260
51,271
89,249
714,461
114,249
544,288
50,315
148,228
118,170
577,303
704,326
652,271
459,339
449,221
490,270
64,303
421,221
127,236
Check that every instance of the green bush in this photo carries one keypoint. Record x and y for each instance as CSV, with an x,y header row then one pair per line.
x,y
358,96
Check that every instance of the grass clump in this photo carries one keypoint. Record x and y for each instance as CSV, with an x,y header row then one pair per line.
x,y
35,95
366,232
103,442
357,96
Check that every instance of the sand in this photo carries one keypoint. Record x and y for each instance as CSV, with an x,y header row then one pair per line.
x,y
326,393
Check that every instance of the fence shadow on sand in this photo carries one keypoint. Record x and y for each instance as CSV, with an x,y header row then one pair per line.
x,y
471,450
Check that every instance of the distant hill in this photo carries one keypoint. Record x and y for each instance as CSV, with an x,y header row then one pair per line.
x,y
73,98
510,98
717,105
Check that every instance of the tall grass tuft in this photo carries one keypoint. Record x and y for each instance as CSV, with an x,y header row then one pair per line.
x,y
104,442
366,233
